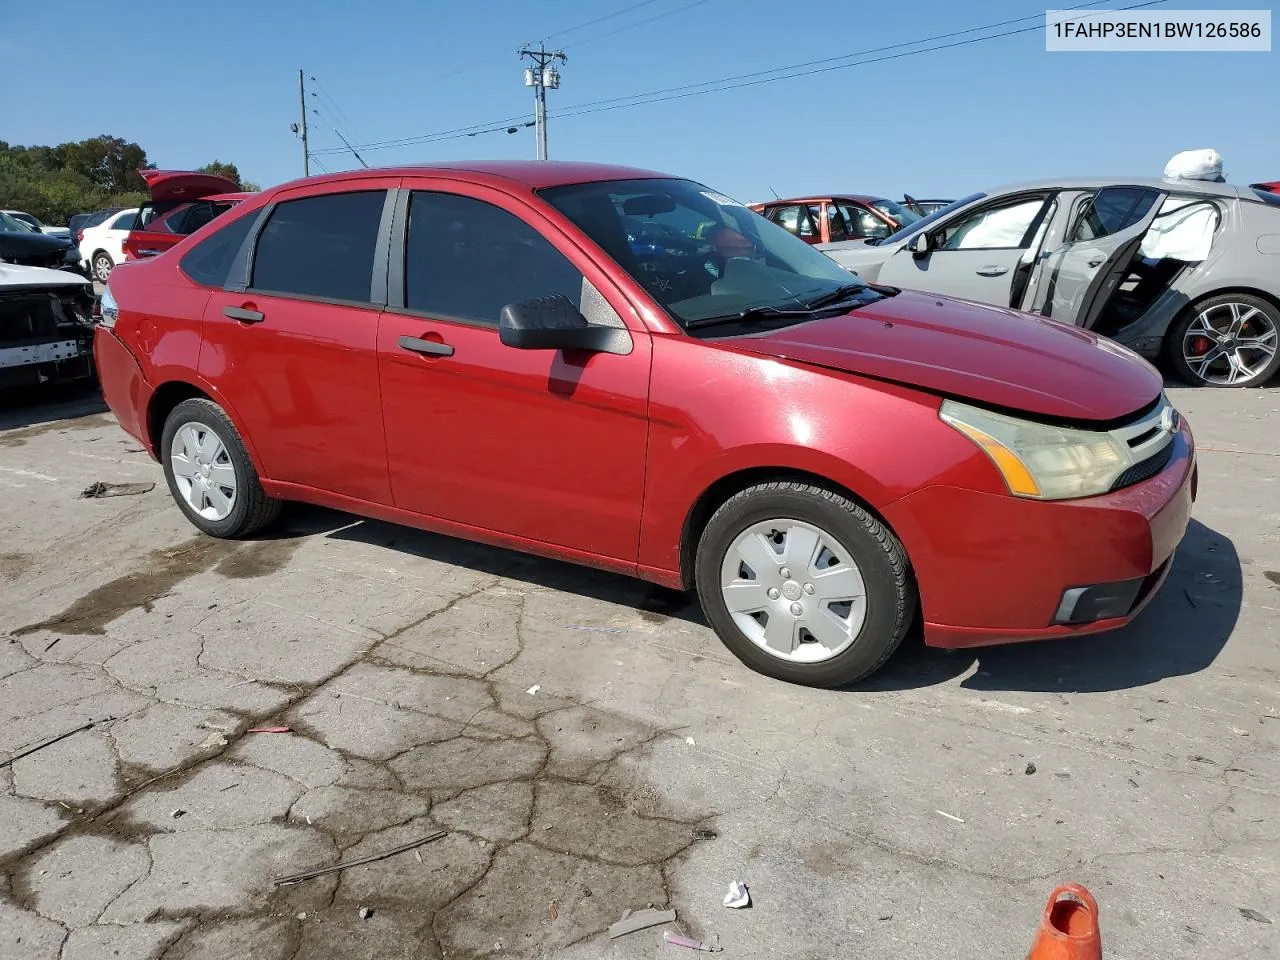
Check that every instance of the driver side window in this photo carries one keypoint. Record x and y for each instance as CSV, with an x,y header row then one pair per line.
x,y
1003,227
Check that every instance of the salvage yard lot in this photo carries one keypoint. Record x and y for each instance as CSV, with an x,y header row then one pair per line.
x,y
570,729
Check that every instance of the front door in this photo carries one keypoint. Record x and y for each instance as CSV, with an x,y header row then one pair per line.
x,y
296,352
983,254
1103,231
541,445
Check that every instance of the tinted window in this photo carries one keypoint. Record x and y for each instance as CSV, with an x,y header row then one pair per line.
x,y
467,259
320,246
863,223
993,228
124,221
1112,210
210,259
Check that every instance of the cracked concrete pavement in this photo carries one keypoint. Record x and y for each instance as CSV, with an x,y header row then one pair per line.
x,y
570,729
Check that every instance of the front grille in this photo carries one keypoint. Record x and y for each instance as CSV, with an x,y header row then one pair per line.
x,y
1146,469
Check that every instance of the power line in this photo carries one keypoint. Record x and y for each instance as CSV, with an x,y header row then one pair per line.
x,y
839,57
592,23
752,79
641,23
333,105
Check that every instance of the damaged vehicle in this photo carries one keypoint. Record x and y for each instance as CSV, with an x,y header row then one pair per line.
x,y
481,350
1184,270
46,327
23,245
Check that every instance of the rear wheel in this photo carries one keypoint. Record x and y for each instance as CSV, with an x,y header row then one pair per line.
x,y
210,474
803,584
102,264
1231,340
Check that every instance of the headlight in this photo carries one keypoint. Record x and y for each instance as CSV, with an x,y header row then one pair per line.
x,y
1040,461
110,311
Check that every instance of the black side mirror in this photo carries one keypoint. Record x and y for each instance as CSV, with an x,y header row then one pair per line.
x,y
554,323
919,245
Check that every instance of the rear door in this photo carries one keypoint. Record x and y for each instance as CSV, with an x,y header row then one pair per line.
x,y
543,445
293,344
1102,232
980,254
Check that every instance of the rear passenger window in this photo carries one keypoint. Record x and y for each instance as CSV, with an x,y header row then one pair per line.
x,y
320,246
466,259
1112,210
210,260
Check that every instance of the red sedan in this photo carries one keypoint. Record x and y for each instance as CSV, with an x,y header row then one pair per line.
x,y
831,219
481,350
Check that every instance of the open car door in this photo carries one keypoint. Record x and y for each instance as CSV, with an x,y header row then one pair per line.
x,y
1105,230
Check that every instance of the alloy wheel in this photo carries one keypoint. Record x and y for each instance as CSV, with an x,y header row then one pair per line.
x,y
203,471
793,590
1230,343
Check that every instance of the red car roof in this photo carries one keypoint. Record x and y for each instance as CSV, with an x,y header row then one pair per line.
x,y
534,174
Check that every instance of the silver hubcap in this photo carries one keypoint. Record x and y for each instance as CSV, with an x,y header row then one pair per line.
x,y
203,471
1230,343
103,267
794,590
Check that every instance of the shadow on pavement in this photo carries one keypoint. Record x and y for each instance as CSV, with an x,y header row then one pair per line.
x,y
653,602
37,405
1180,632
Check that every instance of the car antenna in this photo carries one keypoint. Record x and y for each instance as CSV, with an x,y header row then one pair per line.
x,y
775,193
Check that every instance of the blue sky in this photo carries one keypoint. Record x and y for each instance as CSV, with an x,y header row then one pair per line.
x,y
194,82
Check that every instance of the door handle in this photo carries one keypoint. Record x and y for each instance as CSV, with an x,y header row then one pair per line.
x,y
243,315
992,270
432,348
1096,262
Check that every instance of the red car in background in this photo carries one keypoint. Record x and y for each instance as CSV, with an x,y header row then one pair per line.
x,y
181,203
478,349
829,219
1271,186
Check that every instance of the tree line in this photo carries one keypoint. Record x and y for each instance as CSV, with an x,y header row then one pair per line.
x,y
54,183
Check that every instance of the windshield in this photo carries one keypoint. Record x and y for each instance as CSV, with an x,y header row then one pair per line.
x,y
923,222
896,212
698,253
10,224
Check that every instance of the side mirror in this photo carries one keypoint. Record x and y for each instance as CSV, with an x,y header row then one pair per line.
x,y
919,245
554,323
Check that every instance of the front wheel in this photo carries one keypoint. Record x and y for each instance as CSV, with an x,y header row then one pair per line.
x,y
1231,340
803,584
210,474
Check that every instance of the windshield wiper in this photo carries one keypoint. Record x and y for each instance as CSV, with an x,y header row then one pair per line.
x,y
750,314
838,295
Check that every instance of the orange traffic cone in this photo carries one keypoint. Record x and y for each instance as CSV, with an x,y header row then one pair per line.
x,y
1069,929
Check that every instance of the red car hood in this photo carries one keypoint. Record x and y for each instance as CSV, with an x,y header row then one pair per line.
x,y
988,354
184,184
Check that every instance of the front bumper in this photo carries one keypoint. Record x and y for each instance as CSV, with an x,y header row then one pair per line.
x,y
995,568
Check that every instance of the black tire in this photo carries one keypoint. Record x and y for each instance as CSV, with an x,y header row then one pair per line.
x,y
886,574
1178,332
252,509
100,266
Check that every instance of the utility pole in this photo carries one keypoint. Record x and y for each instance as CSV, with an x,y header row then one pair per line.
x,y
542,76
302,100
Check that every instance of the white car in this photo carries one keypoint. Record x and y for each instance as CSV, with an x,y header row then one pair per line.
x,y
27,218
102,247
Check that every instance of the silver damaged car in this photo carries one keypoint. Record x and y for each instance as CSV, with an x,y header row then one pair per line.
x,y
1182,269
